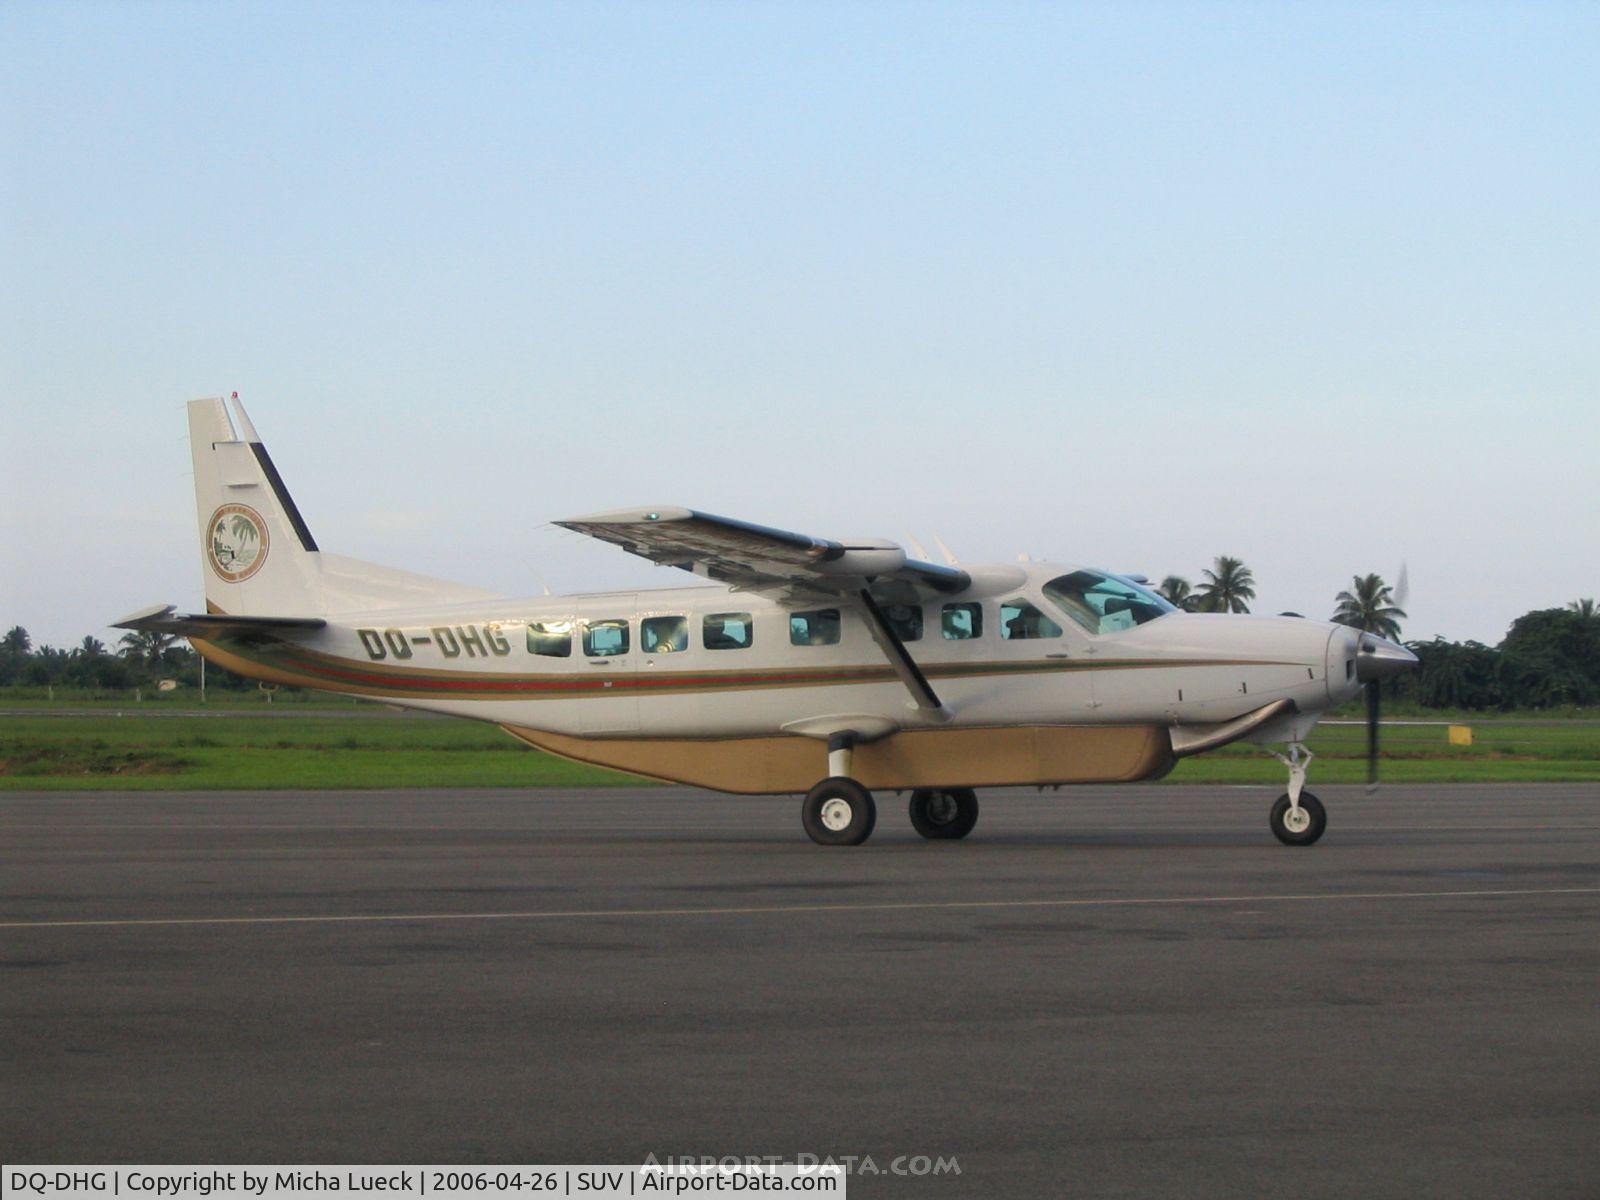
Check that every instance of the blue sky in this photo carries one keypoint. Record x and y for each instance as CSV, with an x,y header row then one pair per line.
x,y
1131,285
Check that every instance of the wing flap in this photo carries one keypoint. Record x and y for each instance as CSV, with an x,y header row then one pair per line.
x,y
795,567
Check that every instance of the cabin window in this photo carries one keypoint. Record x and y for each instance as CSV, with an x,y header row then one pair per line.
x,y
727,631
664,635
819,628
905,620
553,639
601,639
1020,619
960,622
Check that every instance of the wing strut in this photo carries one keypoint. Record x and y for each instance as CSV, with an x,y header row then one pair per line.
x,y
899,657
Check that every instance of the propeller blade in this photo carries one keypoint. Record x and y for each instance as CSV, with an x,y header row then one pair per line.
x,y
1373,702
1402,586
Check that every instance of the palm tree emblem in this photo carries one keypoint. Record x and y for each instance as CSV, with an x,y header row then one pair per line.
x,y
238,542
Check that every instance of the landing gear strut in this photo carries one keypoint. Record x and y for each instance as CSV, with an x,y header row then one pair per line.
x,y
1298,818
839,811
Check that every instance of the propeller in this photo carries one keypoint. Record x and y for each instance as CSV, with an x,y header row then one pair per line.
x,y
1376,659
1374,702
1402,592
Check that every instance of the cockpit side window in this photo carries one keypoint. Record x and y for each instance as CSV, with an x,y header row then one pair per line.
x,y
1020,618
1105,603
905,620
962,621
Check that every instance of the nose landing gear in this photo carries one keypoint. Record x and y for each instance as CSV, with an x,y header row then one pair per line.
x,y
1298,818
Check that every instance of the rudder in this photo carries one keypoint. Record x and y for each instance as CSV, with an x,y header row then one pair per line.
x,y
257,553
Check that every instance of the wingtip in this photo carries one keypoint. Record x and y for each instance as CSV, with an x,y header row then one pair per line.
x,y
628,516
138,620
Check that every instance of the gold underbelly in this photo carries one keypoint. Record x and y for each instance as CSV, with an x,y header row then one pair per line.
x,y
1029,754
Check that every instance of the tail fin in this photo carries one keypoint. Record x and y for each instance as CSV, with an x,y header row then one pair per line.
x,y
257,553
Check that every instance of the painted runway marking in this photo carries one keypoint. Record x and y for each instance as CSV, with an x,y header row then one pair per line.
x,y
780,909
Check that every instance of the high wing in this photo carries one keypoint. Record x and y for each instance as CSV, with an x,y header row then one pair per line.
x,y
793,568
164,618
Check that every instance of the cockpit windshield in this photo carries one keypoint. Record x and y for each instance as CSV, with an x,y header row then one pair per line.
x,y
1105,603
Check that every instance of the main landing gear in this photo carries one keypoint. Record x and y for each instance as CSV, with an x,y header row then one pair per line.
x,y
945,813
1298,818
840,812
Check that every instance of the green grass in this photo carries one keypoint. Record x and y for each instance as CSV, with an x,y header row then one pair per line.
x,y
142,749
1503,751
122,699
139,752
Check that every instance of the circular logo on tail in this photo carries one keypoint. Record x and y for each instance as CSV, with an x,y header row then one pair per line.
x,y
236,546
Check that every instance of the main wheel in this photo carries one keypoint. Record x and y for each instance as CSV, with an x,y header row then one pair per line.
x,y
839,812
1302,828
944,812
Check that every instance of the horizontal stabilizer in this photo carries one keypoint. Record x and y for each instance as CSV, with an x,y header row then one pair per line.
x,y
164,618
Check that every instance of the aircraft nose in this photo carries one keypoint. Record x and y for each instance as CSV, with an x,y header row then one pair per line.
x,y
1379,658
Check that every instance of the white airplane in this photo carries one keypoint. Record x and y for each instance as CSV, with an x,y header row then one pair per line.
x,y
804,665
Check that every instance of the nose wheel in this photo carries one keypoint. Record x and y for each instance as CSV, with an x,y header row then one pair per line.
x,y
1298,824
1298,818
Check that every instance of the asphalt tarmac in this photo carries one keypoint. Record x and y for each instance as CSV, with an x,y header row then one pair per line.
x,y
1111,992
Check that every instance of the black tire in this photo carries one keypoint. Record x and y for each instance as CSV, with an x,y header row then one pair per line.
x,y
1317,820
944,813
839,812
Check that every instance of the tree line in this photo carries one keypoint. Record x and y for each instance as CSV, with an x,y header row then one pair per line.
x,y
1549,658
139,660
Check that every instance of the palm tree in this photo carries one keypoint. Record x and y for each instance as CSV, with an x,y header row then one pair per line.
x,y
1228,585
1176,589
16,641
147,646
1370,607
1584,608
91,647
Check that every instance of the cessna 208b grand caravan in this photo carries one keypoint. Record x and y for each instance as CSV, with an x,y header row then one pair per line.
x,y
803,665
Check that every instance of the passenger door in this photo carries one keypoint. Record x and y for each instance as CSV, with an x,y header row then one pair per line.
x,y
609,701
